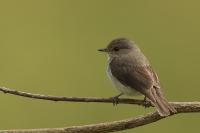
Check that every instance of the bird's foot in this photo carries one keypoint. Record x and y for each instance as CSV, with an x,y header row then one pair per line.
x,y
147,103
115,99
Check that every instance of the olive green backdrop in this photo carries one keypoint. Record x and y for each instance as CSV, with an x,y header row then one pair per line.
x,y
50,47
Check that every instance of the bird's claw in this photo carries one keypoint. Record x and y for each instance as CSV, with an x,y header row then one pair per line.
x,y
147,103
115,100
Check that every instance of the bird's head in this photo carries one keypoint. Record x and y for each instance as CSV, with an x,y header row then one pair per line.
x,y
119,47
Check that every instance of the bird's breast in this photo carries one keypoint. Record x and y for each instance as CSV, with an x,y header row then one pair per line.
x,y
120,87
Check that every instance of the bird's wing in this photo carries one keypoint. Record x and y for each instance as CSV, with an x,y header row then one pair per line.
x,y
144,80
139,78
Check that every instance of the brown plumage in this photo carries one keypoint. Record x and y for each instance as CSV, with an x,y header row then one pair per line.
x,y
131,72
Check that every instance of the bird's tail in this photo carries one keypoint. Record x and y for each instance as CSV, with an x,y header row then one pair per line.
x,y
161,104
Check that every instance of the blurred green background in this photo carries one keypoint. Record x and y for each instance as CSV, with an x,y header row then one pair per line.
x,y
50,47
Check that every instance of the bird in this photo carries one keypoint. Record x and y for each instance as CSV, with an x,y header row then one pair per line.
x,y
131,73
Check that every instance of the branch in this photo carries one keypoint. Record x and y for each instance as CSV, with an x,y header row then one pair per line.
x,y
182,107
72,99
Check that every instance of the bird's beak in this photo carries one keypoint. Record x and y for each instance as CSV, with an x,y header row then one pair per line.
x,y
103,50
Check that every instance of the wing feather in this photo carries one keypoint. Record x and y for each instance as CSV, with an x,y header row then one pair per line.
x,y
139,78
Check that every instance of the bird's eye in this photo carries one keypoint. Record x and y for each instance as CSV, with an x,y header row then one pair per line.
x,y
116,49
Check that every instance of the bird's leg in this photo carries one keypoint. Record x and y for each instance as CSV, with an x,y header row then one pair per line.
x,y
115,99
146,102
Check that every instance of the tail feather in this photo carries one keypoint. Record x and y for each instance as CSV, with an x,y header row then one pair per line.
x,y
170,107
161,104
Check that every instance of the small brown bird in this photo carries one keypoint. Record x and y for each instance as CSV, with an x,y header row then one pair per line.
x,y
131,73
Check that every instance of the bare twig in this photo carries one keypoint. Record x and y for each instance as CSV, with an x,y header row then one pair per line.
x,y
72,99
182,107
